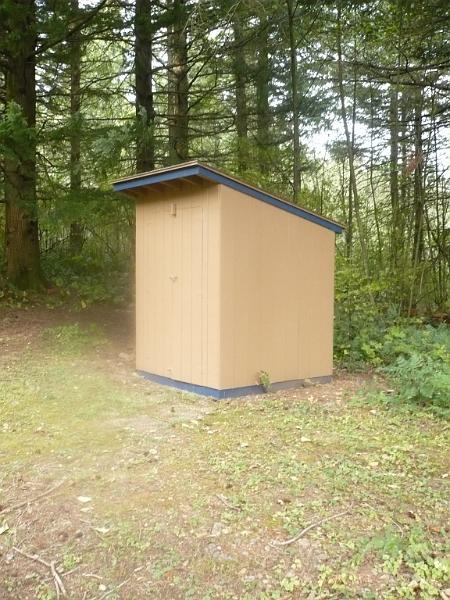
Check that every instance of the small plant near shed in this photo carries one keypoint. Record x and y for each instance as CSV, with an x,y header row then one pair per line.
x,y
264,380
44,593
70,561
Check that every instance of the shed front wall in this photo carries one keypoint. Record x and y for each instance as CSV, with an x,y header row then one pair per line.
x,y
177,283
277,282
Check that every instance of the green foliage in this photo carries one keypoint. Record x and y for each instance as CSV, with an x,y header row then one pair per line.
x,y
17,139
90,277
71,560
415,554
416,359
415,356
264,380
361,323
422,379
13,297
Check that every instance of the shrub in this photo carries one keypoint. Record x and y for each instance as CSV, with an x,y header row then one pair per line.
x,y
360,324
415,356
90,278
423,379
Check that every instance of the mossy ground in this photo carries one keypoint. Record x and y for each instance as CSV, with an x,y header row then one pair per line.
x,y
184,497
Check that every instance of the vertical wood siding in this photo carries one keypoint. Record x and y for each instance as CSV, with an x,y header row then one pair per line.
x,y
277,277
177,284
230,286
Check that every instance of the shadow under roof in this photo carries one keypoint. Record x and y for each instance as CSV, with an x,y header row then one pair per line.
x,y
197,169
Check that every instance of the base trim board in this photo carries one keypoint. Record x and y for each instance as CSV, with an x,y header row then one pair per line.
x,y
231,392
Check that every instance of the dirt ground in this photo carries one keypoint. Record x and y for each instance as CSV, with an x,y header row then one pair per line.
x,y
114,487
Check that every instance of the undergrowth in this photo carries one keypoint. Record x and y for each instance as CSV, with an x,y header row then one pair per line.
x,y
414,355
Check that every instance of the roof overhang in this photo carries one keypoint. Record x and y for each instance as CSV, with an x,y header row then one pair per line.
x,y
195,169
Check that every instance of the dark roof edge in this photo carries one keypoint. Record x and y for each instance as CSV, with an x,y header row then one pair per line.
x,y
195,168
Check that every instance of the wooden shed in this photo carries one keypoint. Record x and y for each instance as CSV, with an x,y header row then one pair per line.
x,y
231,281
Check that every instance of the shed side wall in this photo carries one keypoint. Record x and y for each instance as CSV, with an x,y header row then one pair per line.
x,y
177,283
277,281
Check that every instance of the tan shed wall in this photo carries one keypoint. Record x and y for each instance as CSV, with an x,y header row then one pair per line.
x,y
277,279
178,283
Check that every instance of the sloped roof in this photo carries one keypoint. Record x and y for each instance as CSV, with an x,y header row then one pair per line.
x,y
199,170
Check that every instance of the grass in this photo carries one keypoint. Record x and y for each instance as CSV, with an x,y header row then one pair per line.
x,y
184,498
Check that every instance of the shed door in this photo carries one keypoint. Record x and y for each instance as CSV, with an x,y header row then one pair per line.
x,y
174,244
185,282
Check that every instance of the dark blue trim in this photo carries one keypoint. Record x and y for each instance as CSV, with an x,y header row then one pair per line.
x,y
212,175
229,392
150,179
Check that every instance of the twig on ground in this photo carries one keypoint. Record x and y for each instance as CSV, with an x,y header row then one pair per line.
x,y
91,575
107,593
65,573
59,585
306,529
228,504
30,500
58,581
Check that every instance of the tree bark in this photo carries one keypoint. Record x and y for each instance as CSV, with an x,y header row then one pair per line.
x,y
371,169
416,165
404,188
418,181
240,79
76,229
145,112
262,97
294,101
178,84
22,235
350,151
393,167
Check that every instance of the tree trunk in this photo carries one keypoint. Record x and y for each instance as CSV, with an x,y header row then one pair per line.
x,y
404,179
350,225
22,235
145,112
393,180
76,229
371,169
294,101
418,181
178,84
417,165
240,78
350,151
262,97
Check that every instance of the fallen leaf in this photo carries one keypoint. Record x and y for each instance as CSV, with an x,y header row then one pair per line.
x,y
103,530
84,499
4,528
